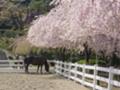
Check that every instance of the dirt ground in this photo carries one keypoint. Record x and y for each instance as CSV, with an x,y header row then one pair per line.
x,y
23,81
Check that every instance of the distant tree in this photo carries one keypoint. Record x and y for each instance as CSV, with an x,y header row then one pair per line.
x,y
16,16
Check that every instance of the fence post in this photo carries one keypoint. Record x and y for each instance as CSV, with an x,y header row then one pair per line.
x,y
83,76
55,65
10,65
76,65
58,67
61,68
95,74
18,67
69,70
110,78
64,69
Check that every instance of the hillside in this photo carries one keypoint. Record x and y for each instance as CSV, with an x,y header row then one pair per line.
x,y
16,16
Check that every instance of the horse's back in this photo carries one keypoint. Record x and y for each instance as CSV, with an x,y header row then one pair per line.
x,y
38,61
35,60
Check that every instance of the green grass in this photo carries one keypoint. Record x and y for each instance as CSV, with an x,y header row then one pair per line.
x,y
91,62
82,61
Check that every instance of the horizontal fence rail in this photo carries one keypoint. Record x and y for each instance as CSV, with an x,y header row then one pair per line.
x,y
98,78
16,66
11,66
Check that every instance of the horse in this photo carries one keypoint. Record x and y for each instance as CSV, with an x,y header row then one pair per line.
x,y
36,60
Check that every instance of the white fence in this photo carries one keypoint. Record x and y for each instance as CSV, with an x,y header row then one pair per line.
x,y
11,66
85,74
98,78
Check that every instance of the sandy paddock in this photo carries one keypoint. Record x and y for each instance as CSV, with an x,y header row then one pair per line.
x,y
14,81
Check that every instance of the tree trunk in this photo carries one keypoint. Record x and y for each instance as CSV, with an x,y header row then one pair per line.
x,y
87,52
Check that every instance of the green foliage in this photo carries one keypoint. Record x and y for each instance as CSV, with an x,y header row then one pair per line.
x,y
93,62
12,33
57,53
16,16
5,42
40,6
81,61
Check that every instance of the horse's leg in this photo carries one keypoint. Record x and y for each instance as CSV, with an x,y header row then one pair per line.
x,y
38,68
41,69
26,68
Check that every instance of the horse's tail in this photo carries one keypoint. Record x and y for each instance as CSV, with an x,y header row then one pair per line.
x,y
46,66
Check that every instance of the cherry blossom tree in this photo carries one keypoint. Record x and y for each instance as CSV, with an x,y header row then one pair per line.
x,y
88,24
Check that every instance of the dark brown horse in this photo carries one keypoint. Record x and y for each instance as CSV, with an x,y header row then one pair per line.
x,y
36,60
